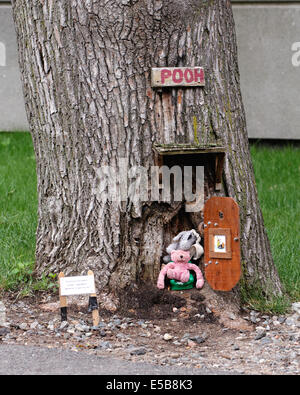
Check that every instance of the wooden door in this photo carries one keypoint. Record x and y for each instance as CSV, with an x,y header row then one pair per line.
x,y
222,243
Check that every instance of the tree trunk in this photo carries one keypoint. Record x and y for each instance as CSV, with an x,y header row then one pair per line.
x,y
86,72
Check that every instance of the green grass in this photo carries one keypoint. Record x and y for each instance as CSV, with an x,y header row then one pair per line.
x,y
277,175
18,213
18,208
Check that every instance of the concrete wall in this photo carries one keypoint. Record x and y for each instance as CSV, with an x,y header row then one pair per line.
x,y
269,57
12,114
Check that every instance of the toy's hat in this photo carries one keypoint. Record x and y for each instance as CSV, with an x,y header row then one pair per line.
x,y
196,251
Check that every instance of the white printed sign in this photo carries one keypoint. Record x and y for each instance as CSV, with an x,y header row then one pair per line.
x,y
77,285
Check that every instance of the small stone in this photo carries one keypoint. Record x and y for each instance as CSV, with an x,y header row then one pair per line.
x,y
2,314
198,339
124,326
105,345
121,336
254,313
191,343
100,326
260,335
168,337
296,307
265,340
63,325
236,347
34,325
4,331
79,327
145,334
138,351
290,321
23,326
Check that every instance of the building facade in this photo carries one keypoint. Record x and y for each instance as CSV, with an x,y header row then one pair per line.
x,y
268,34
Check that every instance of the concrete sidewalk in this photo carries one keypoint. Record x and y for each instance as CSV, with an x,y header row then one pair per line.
x,y
28,360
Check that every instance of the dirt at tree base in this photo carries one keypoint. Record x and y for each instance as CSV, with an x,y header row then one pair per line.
x,y
149,303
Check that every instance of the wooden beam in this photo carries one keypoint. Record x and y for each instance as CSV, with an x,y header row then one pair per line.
x,y
220,157
62,300
182,149
95,310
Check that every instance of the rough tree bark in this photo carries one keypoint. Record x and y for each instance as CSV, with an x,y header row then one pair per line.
x,y
85,67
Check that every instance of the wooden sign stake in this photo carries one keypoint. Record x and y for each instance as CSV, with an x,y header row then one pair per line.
x,y
62,300
94,305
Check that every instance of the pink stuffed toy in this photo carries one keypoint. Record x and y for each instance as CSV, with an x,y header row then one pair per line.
x,y
179,269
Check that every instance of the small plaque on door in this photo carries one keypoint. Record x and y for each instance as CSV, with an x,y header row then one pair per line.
x,y
220,243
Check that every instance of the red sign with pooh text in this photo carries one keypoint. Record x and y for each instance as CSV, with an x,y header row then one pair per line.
x,y
177,76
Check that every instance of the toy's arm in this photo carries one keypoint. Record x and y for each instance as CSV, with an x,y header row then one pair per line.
x,y
200,279
162,274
